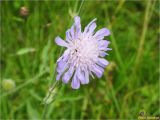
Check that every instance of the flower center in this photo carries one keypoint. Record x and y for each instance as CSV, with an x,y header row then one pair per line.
x,y
84,51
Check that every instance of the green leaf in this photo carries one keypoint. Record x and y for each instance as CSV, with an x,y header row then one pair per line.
x,y
25,51
32,113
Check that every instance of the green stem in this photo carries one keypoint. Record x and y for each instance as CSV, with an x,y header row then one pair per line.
x,y
47,97
54,85
142,39
80,7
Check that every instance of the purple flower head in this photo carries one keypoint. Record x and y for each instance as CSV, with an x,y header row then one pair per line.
x,y
83,55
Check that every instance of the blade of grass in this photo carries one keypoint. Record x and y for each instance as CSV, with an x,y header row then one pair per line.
x,y
80,7
118,56
142,38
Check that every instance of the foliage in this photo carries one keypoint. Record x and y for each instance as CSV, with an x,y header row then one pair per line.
x,y
29,54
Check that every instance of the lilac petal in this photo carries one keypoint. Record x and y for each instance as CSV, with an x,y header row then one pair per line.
x,y
100,68
62,66
81,76
101,33
102,54
104,48
58,77
86,74
71,69
61,42
68,75
75,84
97,72
62,61
61,71
92,28
65,55
102,62
72,31
88,26
77,24
68,36
103,43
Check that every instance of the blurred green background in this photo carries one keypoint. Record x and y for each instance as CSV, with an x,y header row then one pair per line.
x,y
129,86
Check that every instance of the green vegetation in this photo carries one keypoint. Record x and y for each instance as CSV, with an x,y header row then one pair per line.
x,y
28,60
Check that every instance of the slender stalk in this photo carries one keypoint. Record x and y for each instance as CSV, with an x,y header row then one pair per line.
x,y
118,8
115,100
142,39
47,97
54,85
80,7
119,58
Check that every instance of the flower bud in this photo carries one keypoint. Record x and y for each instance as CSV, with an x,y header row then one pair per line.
x,y
24,11
111,68
8,84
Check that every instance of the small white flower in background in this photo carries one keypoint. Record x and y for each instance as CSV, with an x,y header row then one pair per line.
x,y
83,55
8,84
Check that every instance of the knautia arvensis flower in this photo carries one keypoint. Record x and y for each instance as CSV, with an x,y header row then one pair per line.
x,y
84,53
